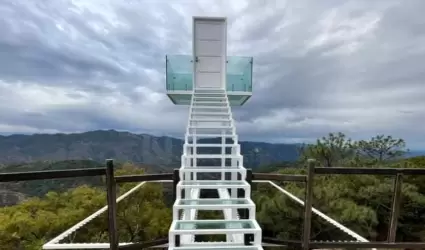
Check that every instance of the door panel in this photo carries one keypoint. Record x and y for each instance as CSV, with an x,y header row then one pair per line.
x,y
208,80
209,30
209,50
209,64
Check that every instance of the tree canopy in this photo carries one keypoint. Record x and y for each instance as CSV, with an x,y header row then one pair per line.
x,y
362,203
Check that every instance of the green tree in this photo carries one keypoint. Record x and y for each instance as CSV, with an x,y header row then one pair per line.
x,y
329,151
381,148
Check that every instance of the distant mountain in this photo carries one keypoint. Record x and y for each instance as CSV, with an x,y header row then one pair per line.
x,y
414,153
124,146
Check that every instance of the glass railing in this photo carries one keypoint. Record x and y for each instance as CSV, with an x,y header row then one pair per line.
x,y
179,70
239,73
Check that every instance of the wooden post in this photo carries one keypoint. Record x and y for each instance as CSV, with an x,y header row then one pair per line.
x,y
308,204
395,208
112,205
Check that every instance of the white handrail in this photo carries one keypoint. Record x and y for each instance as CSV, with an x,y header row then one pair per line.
x,y
88,219
320,214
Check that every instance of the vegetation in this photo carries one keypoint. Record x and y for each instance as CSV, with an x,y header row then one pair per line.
x,y
33,222
361,203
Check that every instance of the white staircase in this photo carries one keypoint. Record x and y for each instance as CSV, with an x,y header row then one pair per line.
x,y
212,164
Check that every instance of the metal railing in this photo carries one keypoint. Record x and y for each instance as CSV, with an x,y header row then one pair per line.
x,y
308,179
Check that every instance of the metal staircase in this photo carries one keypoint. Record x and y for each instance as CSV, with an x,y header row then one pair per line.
x,y
213,163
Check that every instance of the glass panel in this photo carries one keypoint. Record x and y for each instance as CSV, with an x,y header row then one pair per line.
x,y
209,183
239,73
214,202
215,224
179,70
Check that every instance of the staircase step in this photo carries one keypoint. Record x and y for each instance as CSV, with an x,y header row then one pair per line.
x,y
237,169
210,120
209,184
213,92
210,123
210,98
210,113
213,156
211,135
214,227
207,102
214,204
212,145
210,127
209,90
210,107
225,170
216,167
217,246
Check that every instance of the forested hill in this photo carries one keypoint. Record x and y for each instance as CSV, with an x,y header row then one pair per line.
x,y
123,146
362,203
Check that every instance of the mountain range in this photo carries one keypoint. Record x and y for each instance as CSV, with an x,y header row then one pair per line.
x,y
22,153
124,146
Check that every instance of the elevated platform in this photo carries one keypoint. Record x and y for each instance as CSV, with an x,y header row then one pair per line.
x,y
179,79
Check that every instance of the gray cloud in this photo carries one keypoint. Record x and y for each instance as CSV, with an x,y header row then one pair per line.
x,y
319,66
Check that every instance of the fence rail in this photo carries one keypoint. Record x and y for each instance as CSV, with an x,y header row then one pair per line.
x,y
308,179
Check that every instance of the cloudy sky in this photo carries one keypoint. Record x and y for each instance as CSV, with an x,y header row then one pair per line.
x,y
319,66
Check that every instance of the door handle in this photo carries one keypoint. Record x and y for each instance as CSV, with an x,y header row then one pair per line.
x,y
196,59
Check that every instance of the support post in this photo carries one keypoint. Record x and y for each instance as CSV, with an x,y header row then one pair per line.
x,y
176,179
308,204
395,208
248,237
112,205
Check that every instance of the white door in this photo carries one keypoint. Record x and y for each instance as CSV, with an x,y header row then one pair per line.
x,y
210,53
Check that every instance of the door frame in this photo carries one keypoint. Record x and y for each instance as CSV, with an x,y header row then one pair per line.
x,y
223,21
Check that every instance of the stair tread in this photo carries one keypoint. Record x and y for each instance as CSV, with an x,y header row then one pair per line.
x,y
216,226
210,135
211,120
208,156
216,167
213,170
203,145
210,113
218,183
218,247
209,102
210,127
242,202
203,106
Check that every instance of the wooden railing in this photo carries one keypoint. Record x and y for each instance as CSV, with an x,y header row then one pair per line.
x,y
308,179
